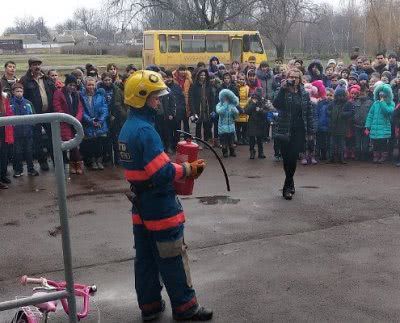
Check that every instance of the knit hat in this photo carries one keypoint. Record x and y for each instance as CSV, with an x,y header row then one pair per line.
x,y
387,74
221,66
343,83
17,86
355,89
353,76
331,61
321,88
340,91
363,77
69,79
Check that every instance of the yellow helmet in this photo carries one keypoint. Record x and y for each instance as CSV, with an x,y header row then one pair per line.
x,y
140,85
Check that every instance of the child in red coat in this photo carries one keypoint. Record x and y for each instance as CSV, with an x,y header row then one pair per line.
x,y
6,139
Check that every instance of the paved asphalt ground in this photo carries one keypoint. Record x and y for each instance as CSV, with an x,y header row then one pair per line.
x,y
332,254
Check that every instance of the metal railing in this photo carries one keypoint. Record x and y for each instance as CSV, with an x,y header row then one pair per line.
x,y
58,147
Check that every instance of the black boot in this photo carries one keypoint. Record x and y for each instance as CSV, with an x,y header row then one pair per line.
x,y
232,151
261,154
225,152
287,194
203,314
252,154
151,316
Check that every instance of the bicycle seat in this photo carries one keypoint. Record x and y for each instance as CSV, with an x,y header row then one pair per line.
x,y
50,306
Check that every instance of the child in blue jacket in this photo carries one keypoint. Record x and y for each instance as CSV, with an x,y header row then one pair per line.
x,y
323,137
23,134
227,112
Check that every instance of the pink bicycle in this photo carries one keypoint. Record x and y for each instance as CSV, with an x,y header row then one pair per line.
x,y
40,312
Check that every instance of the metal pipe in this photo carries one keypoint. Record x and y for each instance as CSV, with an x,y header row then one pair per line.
x,y
33,300
228,186
62,205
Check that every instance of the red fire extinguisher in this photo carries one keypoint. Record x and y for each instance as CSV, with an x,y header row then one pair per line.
x,y
186,151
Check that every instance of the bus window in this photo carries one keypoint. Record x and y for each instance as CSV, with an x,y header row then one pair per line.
x,y
173,44
217,43
193,43
252,43
148,41
163,43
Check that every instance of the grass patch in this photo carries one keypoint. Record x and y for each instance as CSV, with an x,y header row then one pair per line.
x,y
65,63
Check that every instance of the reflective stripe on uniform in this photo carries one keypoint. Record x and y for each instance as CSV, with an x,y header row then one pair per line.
x,y
157,163
136,175
162,224
136,219
184,307
179,171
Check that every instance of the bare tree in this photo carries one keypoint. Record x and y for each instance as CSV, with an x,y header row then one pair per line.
x,y
29,25
195,14
276,18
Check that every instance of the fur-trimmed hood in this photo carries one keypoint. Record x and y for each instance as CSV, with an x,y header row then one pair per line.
x,y
385,88
233,99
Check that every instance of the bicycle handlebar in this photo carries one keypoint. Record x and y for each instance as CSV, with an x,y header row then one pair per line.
x,y
79,290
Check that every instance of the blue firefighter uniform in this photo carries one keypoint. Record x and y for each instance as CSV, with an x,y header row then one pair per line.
x,y
158,217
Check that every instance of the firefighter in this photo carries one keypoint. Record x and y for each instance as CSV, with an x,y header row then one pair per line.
x,y
157,214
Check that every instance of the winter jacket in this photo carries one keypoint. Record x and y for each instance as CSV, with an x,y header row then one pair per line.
x,y
396,92
9,130
396,122
257,119
282,103
244,93
380,68
179,99
195,98
32,92
266,83
22,107
7,84
117,110
379,116
74,109
184,84
98,111
168,105
393,69
254,86
213,68
339,115
314,76
227,112
361,109
323,115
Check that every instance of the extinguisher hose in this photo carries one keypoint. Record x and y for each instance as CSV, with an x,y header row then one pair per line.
x,y
228,186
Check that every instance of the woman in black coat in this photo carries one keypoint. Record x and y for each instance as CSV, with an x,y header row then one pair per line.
x,y
202,103
295,122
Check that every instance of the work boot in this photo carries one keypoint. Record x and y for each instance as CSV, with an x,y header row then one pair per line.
x,y
261,154
5,180
252,154
72,168
100,163
79,167
383,158
44,166
203,314
94,165
376,158
232,152
225,152
3,186
154,315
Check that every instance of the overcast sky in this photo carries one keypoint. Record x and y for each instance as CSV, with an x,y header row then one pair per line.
x,y
53,12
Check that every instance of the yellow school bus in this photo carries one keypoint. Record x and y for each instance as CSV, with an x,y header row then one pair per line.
x,y
170,48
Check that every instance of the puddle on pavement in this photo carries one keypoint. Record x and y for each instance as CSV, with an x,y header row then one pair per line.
x,y
55,231
307,186
14,223
217,199
86,212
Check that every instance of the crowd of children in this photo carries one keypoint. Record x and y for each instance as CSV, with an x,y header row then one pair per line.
x,y
356,110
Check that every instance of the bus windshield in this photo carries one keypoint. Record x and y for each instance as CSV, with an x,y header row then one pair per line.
x,y
252,43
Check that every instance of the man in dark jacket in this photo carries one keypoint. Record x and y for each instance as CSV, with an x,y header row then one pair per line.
x,y
39,90
202,103
294,124
380,63
9,78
